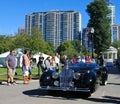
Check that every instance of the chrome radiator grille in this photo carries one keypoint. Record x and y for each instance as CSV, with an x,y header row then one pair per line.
x,y
66,77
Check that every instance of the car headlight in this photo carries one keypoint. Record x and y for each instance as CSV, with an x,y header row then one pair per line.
x,y
55,75
56,83
76,75
88,71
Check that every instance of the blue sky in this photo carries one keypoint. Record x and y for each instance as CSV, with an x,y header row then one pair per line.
x,y
12,12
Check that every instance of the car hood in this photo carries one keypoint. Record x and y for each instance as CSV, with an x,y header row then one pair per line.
x,y
84,66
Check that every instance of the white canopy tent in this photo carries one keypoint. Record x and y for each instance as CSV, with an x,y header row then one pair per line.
x,y
2,58
36,56
19,55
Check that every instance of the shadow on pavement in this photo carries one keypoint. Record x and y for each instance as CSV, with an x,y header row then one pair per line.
x,y
106,99
56,94
70,96
113,83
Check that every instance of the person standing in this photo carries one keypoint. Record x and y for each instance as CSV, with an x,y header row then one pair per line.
x,y
30,68
11,64
74,59
57,61
41,65
53,63
25,67
64,61
88,59
47,63
101,60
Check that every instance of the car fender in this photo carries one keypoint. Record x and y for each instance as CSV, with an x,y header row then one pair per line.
x,y
46,78
89,78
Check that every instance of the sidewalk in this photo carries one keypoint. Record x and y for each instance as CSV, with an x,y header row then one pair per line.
x,y
19,81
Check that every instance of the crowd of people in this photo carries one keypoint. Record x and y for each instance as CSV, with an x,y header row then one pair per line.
x,y
86,59
53,63
43,64
49,63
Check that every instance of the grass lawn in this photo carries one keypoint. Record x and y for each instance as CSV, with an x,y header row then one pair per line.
x,y
19,76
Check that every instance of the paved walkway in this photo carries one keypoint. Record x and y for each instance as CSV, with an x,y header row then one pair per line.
x,y
18,82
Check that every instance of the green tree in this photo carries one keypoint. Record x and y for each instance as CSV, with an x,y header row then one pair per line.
x,y
20,41
116,44
99,20
67,48
51,44
6,43
81,50
33,42
37,43
77,45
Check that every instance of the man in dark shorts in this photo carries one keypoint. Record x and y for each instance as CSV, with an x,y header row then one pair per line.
x,y
11,63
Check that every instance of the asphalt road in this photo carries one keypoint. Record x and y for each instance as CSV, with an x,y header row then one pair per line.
x,y
31,94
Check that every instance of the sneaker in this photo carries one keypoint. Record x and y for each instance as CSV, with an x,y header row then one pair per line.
x,y
105,82
13,83
8,83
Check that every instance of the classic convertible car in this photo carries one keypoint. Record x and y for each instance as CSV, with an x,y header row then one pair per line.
x,y
83,77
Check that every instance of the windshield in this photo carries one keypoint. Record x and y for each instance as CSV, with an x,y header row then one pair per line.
x,y
81,65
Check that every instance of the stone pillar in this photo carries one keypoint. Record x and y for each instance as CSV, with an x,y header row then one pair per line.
x,y
107,55
111,55
116,55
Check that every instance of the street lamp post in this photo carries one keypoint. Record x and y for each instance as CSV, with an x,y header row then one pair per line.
x,y
118,52
92,32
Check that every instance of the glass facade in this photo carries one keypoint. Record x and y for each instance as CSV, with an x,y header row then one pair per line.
x,y
115,32
56,26
112,14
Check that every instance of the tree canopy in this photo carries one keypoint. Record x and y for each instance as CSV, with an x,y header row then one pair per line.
x,y
33,42
72,48
116,44
99,20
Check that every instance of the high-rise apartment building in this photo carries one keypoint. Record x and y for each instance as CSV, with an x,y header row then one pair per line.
x,y
115,32
56,26
21,30
114,27
86,39
112,14
112,8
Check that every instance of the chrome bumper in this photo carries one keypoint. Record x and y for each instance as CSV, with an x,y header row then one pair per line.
x,y
65,88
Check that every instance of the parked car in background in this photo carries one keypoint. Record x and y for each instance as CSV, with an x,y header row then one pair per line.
x,y
78,77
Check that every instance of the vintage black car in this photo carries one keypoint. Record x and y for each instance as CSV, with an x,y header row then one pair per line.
x,y
83,77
